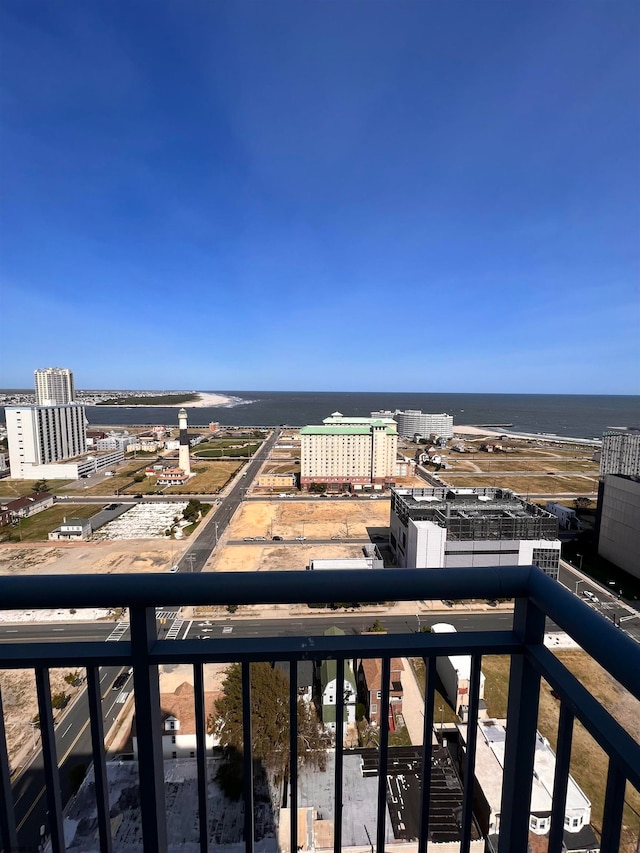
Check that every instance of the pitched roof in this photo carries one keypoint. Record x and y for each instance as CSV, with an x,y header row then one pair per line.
x,y
372,668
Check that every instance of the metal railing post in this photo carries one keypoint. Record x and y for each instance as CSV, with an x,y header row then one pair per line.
x,y
613,808
383,757
339,757
201,755
522,724
470,756
247,758
8,835
50,758
427,736
148,730
561,778
99,762
293,754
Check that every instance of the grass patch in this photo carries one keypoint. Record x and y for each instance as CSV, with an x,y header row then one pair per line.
x,y
37,527
442,710
120,483
588,761
211,477
547,484
204,509
207,452
14,488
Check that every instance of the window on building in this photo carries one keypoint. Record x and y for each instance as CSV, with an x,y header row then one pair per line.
x,y
173,739
547,559
174,755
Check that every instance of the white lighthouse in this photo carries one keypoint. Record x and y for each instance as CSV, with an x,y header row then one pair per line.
x,y
183,460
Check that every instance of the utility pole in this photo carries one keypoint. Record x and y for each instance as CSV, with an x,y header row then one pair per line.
x,y
190,559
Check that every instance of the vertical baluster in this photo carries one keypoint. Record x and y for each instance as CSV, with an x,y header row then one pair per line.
x,y
49,755
338,754
99,761
8,835
427,736
293,754
148,730
383,757
613,808
522,724
201,755
247,758
561,778
470,756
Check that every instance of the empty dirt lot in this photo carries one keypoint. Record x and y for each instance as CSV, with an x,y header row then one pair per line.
x,y
274,557
321,519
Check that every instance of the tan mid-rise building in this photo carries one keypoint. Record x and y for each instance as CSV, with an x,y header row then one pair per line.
x,y
349,453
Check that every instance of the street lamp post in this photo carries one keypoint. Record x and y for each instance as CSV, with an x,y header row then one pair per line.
x,y
580,566
577,585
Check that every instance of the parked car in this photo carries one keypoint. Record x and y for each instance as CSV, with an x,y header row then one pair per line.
x,y
120,682
248,539
301,538
261,538
276,539
174,569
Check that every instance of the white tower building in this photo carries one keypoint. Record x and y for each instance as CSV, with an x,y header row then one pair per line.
x,y
38,435
183,459
54,386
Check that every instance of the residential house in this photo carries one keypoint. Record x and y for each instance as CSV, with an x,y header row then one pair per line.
x,y
328,671
179,722
11,511
370,690
72,529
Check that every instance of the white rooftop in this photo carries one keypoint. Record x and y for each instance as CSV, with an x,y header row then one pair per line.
x,y
490,763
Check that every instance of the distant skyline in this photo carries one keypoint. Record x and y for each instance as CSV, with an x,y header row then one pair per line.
x,y
331,196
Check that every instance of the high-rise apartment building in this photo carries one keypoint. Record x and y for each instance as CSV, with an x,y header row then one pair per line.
x,y
54,386
38,435
621,452
414,421
349,453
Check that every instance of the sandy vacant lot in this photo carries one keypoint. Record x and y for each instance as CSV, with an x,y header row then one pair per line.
x,y
135,555
272,557
347,517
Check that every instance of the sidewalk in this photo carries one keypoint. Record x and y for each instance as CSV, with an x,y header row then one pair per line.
x,y
412,704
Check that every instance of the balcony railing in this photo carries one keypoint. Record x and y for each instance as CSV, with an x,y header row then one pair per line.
x,y
537,598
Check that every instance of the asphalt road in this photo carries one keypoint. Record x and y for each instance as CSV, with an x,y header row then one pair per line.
x,y
73,747
196,557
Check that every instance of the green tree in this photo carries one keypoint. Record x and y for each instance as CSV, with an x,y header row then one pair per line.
x,y
377,628
582,503
138,478
192,511
269,720
59,700
41,486
73,678
318,488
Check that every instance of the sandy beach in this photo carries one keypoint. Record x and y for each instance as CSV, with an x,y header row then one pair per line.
x,y
207,400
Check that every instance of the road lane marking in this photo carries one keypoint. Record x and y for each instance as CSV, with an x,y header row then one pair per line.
x,y
70,726
187,629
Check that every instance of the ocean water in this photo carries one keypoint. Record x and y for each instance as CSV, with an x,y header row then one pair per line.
x,y
581,416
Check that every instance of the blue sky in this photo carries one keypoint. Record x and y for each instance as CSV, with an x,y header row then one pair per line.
x,y
411,196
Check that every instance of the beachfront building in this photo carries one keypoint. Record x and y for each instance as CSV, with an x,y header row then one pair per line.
x,y
54,386
620,452
346,453
436,528
39,435
413,421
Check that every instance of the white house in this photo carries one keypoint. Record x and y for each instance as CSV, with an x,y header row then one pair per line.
x,y
179,722
329,690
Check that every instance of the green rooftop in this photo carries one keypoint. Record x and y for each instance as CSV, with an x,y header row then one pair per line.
x,y
321,429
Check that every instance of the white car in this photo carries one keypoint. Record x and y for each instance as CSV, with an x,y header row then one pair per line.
x,y
590,596
174,569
